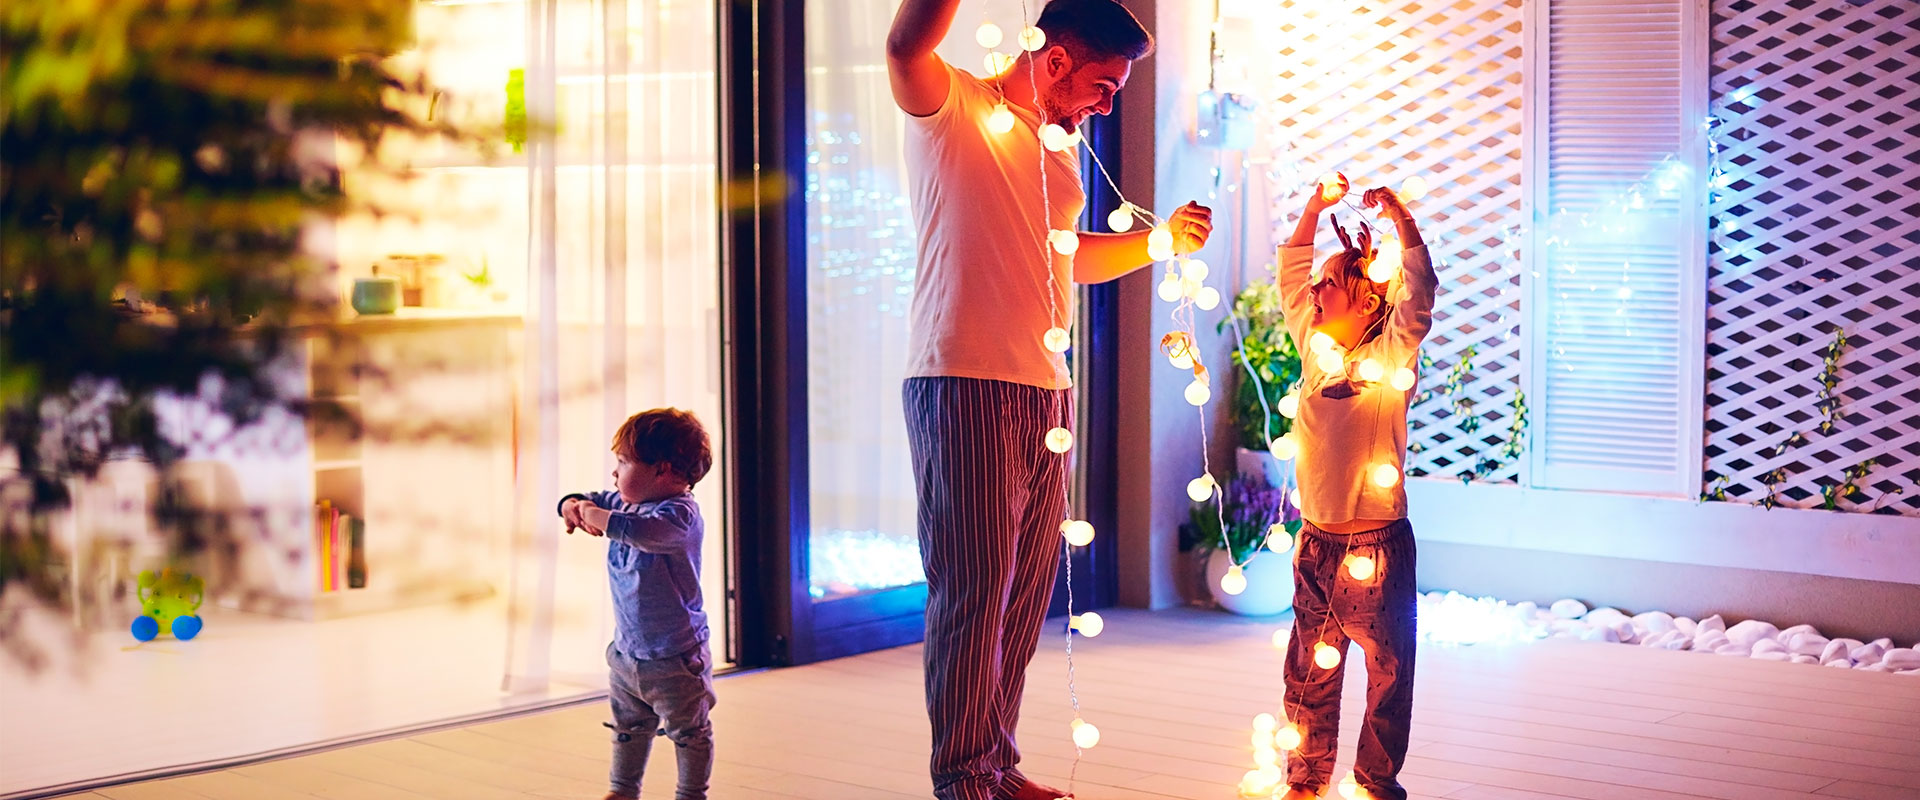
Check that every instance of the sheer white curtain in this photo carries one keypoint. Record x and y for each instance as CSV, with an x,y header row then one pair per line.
x,y
623,308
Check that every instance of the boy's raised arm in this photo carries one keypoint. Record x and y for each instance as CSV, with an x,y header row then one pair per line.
x,y
918,77
660,529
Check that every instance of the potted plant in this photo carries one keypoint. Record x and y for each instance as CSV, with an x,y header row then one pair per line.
x,y
1266,364
1250,509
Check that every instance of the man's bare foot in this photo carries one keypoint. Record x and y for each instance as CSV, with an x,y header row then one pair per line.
x,y
1298,793
1038,791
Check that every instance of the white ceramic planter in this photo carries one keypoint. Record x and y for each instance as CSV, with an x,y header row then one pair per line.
x,y
1269,583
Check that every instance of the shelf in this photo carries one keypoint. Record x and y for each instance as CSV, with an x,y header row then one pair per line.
x,y
333,465
378,597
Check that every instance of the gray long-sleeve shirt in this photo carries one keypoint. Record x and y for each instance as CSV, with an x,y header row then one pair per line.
x,y
653,569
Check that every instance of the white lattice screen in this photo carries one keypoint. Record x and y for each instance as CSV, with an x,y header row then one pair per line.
x,y
1817,228
1388,90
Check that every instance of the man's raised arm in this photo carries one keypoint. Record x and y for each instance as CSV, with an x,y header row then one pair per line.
x,y
918,76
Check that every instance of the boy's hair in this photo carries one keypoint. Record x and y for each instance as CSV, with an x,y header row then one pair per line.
x,y
1348,270
1093,30
666,436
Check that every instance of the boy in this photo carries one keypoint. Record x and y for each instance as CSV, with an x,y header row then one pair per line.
x,y
660,667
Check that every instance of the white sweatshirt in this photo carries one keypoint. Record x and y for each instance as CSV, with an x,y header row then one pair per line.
x,y
1347,426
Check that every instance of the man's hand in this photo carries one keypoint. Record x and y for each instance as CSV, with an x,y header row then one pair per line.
x,y
1389,203
1190,225
1317,200
593,519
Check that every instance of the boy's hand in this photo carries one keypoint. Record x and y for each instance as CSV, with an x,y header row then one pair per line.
x,y
1389,203
570,511
1317,199
1190,225
593,519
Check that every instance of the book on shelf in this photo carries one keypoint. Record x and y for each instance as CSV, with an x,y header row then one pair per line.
x,y
339,549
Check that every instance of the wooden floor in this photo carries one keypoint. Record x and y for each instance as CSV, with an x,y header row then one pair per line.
x,y
1174,693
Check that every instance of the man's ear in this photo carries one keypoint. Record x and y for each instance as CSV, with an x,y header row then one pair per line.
x,y
1058,62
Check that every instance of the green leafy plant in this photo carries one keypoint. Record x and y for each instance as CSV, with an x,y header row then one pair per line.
x,y
161,164
1266,365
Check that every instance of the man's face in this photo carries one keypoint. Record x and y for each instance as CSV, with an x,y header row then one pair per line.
x,y
1081,89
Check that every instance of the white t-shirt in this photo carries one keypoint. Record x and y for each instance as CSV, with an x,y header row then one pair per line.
x,y
1347,426
980,298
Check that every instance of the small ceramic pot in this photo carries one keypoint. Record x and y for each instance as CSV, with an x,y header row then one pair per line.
x,y
379,294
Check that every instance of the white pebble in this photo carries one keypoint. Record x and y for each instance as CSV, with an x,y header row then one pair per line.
x,y
1770,646
1655,622
1869,653
1875,668
1604,616
1904,658
1777,655
1686,625
1713,623
1838,662
1525,608
1885,643
1838,650
1750,632
1733,649
1786,636
1800,659
1569,609
1808,644
1910,672
1710,641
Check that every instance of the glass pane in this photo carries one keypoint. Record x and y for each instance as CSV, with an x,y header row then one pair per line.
x,y
860,266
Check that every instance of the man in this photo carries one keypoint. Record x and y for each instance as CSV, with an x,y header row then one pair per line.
x,y
982,388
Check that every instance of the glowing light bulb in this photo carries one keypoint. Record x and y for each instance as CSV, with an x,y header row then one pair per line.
x,y
1285,447
1194,269
1054,137
1159,242
988,35
1064,242
1293,497
1413,188
1372,370
1350,789
1198,394
1089,624
1319,343
1330,361
1170,290
1033,39
1288,738
1207,299
1386,476
1235,581
1120,220
1264,722
1001,120
1263,752
1325,656
1278,540
997,62
1290,405
1403,379
1190,288
1200,488
1386,263
1057,340
1085,736
1077,532
1060,440
1181,360
1280,638
1256,783
1330,187
1360,567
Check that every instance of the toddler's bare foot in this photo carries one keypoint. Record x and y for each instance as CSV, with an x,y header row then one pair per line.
x,y
1298,793
1032,790
619,796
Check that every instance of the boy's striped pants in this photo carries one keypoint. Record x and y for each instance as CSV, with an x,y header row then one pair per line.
x,y
992,498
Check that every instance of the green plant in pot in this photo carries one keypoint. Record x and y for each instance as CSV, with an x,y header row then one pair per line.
x,y
1241,531
1266,364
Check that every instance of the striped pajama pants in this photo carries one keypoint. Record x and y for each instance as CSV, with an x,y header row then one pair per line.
x,y
992,497
1378,614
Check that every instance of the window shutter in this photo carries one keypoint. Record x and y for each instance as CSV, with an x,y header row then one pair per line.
x,y
1617,196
